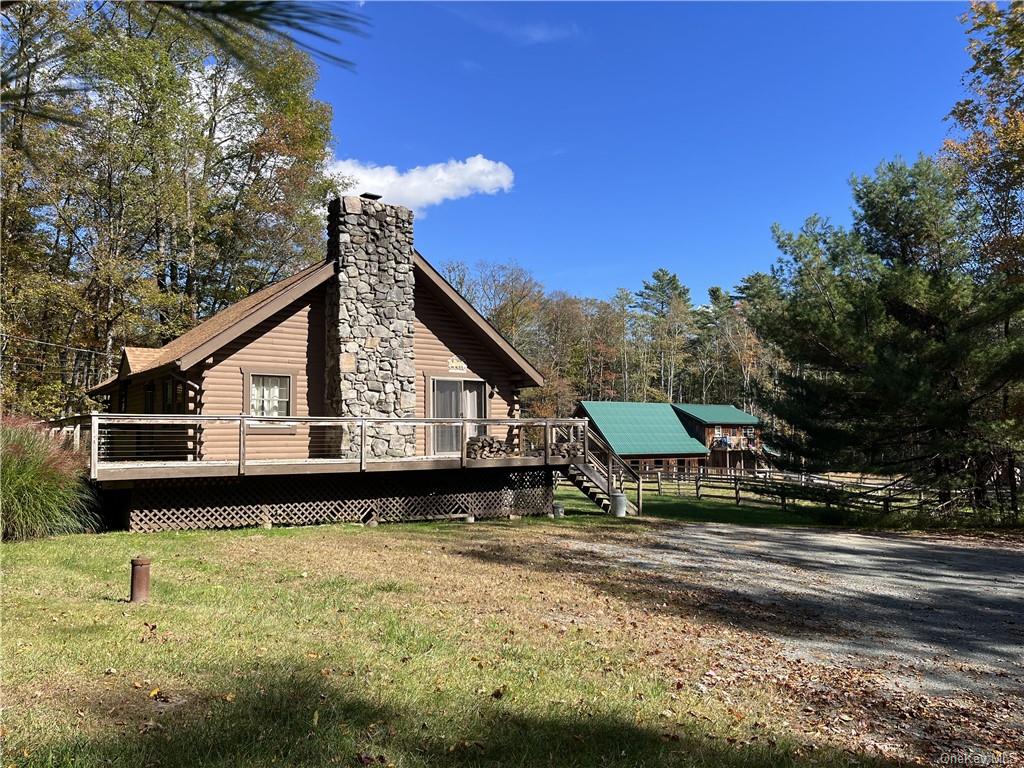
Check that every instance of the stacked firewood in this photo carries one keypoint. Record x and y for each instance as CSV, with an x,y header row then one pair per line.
x,y
566,450
487,447
558,451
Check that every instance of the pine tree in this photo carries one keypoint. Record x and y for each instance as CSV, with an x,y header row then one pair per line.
x,y
889,333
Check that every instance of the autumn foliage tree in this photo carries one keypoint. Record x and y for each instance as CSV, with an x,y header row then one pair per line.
x,y
150,179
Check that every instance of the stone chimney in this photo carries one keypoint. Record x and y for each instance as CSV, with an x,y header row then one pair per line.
x,y
369,364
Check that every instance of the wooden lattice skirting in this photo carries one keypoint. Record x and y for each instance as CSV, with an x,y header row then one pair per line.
x,y
161,505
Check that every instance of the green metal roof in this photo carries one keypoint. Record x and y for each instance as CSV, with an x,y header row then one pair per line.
x,y
728,415
642,429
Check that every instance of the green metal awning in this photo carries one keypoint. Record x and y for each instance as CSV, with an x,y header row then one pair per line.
x,y
642,429
726,415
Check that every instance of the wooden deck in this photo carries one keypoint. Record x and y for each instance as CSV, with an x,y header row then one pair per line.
x,y
129,447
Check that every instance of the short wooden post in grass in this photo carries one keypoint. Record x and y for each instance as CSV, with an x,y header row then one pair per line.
x,y
140,580
736,483
696,484
660,491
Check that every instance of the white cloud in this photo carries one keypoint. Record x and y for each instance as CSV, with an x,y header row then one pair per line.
x,y
426,185
519,32
538,33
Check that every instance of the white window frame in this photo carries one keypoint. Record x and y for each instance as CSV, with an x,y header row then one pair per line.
x,y
278,427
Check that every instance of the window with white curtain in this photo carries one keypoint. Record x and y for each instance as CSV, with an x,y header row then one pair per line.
x,y
457,399
270,395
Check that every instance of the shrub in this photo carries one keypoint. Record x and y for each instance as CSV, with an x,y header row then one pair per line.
x,y
42,488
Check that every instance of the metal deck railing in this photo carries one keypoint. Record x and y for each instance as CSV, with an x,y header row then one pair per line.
x,y
141,446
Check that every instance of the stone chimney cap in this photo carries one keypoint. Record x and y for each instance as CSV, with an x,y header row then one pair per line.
x,y
369,196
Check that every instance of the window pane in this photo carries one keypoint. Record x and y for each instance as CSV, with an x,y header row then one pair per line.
x,y
446,406
474,404
270,395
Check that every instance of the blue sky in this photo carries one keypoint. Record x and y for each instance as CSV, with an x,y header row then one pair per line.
x,y
614,139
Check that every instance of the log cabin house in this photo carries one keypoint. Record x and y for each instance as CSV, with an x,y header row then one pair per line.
x,y
363,388
674,437
732,436
649,436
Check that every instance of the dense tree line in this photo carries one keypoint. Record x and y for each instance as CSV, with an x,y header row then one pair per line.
x,y
649,345
902,334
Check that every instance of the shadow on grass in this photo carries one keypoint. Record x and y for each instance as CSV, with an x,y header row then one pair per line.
x,y
943,614
703,510
302,718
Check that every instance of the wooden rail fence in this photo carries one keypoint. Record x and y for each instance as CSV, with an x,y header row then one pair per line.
x,y
880,496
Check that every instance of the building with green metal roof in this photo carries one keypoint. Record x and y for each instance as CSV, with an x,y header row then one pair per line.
x,y
655,435
718,414
643,431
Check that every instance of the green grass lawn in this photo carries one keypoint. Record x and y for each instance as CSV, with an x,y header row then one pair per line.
x,y
338,645
704,510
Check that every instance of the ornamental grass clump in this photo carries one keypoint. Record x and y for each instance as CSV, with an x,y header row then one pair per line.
x,y
42,488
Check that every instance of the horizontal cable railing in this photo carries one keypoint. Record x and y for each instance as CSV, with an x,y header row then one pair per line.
x,y
184,440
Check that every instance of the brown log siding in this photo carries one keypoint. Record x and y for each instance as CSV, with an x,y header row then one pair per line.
x,y
437,338
290,343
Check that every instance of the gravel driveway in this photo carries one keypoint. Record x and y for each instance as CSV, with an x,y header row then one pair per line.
x,y
943,614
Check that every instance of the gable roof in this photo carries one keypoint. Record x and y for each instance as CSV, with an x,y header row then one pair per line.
x,y
213,333
194,346
133,360
455,302
138,358
642,429
728,415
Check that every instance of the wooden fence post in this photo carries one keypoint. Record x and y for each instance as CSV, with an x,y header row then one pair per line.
x,y
660,491
241,444
736,483
696,484
94,444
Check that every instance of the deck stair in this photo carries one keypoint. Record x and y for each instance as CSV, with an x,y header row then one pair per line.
x,y
600,471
